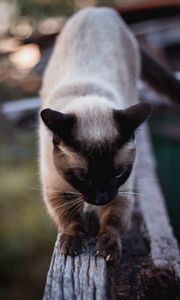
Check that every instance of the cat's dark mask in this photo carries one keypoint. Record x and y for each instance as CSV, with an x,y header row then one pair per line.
x,y
95,171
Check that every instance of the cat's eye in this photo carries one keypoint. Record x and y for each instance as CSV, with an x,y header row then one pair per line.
x,y
82,178
118,176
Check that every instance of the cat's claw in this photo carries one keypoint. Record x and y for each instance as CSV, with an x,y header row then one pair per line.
x,y
72,244
109,248
97,253
108,257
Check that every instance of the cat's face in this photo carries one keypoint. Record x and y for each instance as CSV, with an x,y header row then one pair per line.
x,y
98,172
95,168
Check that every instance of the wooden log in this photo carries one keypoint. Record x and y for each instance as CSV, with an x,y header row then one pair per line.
x,y
163,245
80,277
150,265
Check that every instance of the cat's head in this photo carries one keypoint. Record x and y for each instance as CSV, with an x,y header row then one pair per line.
x,y
94,151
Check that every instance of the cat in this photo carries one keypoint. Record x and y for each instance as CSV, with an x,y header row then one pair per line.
x,y
90,112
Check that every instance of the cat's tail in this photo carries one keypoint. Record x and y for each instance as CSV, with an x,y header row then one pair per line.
x,y
159,76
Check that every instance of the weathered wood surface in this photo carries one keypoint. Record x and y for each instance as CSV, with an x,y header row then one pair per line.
x,y
163,245
150,265
82,277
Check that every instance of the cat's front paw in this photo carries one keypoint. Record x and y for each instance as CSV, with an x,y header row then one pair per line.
x,y
109,246
72,244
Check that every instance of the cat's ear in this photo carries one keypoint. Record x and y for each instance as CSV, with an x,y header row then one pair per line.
x,y
137,114
132,117
60,124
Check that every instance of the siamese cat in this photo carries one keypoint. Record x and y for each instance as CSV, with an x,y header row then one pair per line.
x,y
90,112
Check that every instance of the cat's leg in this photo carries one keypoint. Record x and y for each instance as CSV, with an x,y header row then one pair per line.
x,y
114,221
66,212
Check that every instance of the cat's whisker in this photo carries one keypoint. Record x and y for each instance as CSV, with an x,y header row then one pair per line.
x,y
69,204
132,193
65,207
71,210
65,211
35,188
75,211
53,190
42,189
72,192
78,210
149,179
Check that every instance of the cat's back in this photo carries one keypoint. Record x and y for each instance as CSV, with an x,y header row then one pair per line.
x,y
94,20
94,43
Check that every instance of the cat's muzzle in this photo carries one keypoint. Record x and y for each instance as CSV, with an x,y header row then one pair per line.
x,y
101,198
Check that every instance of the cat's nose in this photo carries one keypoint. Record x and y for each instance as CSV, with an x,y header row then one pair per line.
x,y
101,198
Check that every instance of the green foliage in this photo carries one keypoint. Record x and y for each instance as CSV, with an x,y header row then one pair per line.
x,y
26,232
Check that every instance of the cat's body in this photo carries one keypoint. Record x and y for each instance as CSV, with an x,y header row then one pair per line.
x,y
88,49
91,78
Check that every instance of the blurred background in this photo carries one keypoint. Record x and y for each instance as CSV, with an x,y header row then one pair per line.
x,y
27,33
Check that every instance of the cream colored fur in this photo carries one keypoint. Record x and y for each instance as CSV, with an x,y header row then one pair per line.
x,y
96,48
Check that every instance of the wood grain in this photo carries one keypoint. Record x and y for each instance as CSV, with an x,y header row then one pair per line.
x,y
80,277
